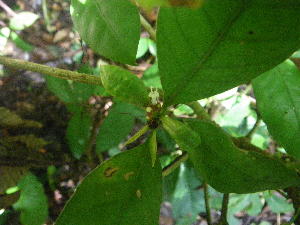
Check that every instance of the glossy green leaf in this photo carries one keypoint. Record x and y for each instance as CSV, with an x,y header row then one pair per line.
x,y
219,161
115,127
125,190
225,43
278,98
124,85
78,131
111,28
33,201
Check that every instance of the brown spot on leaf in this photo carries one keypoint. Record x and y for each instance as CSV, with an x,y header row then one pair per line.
x,y
109,172
186,3
128,175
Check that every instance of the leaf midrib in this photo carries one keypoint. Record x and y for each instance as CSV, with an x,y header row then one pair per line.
x,y
112,31
215,44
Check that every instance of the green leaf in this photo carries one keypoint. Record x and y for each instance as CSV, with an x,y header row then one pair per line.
x,y
278,98
4,35
278,204
78,131
124,85
115,127
33,201
20,43
111,28
165,140
125,190
184,136
223,44
225,167
148,4
153,147
23,20
186,196
143,47
74,92
151,77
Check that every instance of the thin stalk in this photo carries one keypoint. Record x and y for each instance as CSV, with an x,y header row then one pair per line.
x,y
254,128
46,14
207,205
174,165
148,27
199,111
50,71
223,219
8,10
89,149
137,135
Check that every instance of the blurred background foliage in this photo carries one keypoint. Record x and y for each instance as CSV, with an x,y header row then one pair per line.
x,y
55,131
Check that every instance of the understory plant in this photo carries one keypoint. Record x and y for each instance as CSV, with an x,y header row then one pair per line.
x,y
203,49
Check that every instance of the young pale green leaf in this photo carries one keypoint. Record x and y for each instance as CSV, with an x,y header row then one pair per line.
x,y
115,127
33,201
223,44
111,28
124,85
278,98
78,131
225,167
23,20
125,190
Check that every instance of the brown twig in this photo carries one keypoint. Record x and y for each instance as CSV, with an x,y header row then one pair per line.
x,y
175,164
223,219
96,125
6,8
207,205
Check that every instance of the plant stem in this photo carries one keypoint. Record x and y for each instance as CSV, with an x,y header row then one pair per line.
x,y
8,10
254,128
175,164
223,219
148,27
207,206
50,71
137,135
199,111
89,149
